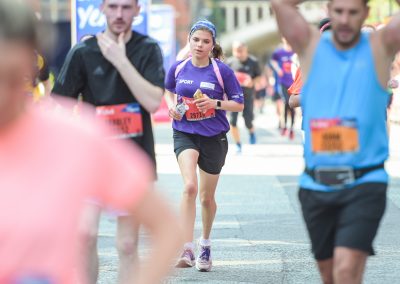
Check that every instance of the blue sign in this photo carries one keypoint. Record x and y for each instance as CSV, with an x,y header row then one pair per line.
x,y
87,18
162,29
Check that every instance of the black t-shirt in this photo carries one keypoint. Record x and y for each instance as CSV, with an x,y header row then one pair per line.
x,y
250,67
86,71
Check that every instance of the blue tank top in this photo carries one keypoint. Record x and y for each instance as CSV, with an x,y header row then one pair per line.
x,y
344,112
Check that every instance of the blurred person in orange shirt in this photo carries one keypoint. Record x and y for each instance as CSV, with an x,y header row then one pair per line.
x,y
50,163
295,89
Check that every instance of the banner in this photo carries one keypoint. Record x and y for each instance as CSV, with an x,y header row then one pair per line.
x,y
162,29
87,18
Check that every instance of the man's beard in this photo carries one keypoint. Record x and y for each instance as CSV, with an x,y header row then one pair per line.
x,y
346,44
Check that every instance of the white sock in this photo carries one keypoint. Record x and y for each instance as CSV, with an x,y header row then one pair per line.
x,y
205,242
189,245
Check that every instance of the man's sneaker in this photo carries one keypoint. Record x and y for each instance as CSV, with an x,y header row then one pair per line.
x,y
238,148
187,259
252,138
203,261
283,131
291,134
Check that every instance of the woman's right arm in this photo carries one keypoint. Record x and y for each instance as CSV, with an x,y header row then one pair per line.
x,y
171,100
169,93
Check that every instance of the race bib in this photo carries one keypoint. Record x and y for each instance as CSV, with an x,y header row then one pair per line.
x,y
287,67
126,119
332,136
242,77
193,113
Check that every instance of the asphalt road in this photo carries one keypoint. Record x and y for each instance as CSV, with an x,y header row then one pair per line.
x,y
259,235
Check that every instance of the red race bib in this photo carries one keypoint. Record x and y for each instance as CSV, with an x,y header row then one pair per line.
x,y
193,113
287,67
126,119
242,77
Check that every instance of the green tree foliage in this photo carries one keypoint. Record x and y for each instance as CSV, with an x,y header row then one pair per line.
x,y
381,9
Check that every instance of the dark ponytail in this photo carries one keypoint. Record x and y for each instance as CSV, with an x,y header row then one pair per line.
x,y
217,52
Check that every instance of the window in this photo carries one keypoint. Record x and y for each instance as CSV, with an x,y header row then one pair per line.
x,y
236,17
223,16
260,13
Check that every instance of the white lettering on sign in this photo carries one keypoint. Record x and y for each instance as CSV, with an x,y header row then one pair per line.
x,y
109,111
91,16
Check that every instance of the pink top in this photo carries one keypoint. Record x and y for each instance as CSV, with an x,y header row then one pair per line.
x,y
49,164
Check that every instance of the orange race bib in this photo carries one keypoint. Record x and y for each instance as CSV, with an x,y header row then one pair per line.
x,y
332,136
193,113
126,119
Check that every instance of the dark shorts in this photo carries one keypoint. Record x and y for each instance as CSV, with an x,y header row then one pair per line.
x,y
261,94
212,150
276,96
390,101
346,218
285,94
248,112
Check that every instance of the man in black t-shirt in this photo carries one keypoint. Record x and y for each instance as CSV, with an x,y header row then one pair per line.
x,y
247,71
121,73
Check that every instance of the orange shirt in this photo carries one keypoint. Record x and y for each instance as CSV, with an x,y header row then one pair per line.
x,y
50,163
295,88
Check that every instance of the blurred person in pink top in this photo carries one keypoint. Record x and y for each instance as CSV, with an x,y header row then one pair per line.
x,y
50,163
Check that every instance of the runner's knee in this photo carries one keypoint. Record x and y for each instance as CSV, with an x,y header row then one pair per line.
x,y
127,246
345,270
249,123
207,201
190,190
344,274
327,278
325,268
88,237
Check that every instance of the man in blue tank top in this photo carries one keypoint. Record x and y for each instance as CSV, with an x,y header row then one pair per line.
x,y
343,188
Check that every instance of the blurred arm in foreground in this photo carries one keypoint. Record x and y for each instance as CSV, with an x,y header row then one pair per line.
x,y
51,163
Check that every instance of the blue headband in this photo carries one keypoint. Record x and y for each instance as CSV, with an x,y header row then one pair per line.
x,y
204,24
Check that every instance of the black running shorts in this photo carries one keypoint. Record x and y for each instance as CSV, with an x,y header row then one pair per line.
x,y
285,94
212,150
346,218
